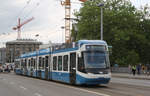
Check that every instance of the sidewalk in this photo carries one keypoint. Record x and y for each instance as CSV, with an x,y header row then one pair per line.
x,y
126,75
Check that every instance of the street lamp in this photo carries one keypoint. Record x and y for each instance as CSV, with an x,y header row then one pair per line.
x,y
101,6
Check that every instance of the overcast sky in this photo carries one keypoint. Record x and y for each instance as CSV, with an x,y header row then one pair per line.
x,y
48,14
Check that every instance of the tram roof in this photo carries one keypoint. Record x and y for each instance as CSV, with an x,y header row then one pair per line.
x,y
34,53
81,42
58,49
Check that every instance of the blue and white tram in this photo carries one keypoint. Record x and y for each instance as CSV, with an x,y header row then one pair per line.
x,y
86,62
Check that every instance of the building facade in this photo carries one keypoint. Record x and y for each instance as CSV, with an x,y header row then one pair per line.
x,y
20,46
2,56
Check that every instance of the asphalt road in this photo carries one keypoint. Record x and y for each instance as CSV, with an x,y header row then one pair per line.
x,y
133,82
15,85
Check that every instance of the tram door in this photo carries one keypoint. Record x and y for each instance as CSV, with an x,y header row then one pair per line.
x,y
72,68
31,70
46,67
26,72
39,70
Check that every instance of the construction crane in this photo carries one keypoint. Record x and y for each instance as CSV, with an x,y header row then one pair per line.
x,y
67,5
18,27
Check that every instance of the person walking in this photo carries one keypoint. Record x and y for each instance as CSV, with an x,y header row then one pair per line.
x,y
130,69
139,69
133,70
148,69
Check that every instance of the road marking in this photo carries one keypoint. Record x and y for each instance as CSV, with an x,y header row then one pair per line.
x,y
84,90
23,88
37,94
97,93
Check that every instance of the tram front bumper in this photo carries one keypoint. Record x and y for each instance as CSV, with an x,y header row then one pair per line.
x,y
92,81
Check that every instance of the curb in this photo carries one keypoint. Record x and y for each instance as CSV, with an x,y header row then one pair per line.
x,y
131,77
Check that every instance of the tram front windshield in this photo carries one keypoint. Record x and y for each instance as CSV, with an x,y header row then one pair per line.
x,y
95,59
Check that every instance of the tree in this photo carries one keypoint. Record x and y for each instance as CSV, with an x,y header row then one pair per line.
x,y
125,28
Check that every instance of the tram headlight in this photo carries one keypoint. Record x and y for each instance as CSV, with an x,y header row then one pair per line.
x,y
101,72
106,71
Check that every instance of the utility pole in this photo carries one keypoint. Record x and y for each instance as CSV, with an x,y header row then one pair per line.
x,y
101,31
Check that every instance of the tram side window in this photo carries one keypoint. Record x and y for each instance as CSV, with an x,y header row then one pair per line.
x,y
40,62
54,63
81,67
29,62
34,63
65,63
22,63
60,63
46,61
43,63
25,64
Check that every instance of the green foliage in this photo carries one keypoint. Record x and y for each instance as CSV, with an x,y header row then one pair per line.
x,y
132,58
126,28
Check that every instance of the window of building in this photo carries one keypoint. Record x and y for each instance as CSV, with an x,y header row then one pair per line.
x,y
65,63
54,63
17,52
60,63
30,49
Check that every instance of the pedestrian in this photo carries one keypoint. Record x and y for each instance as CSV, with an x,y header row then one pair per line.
x,y
138,67
148,69
133,70
143,69
130,69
